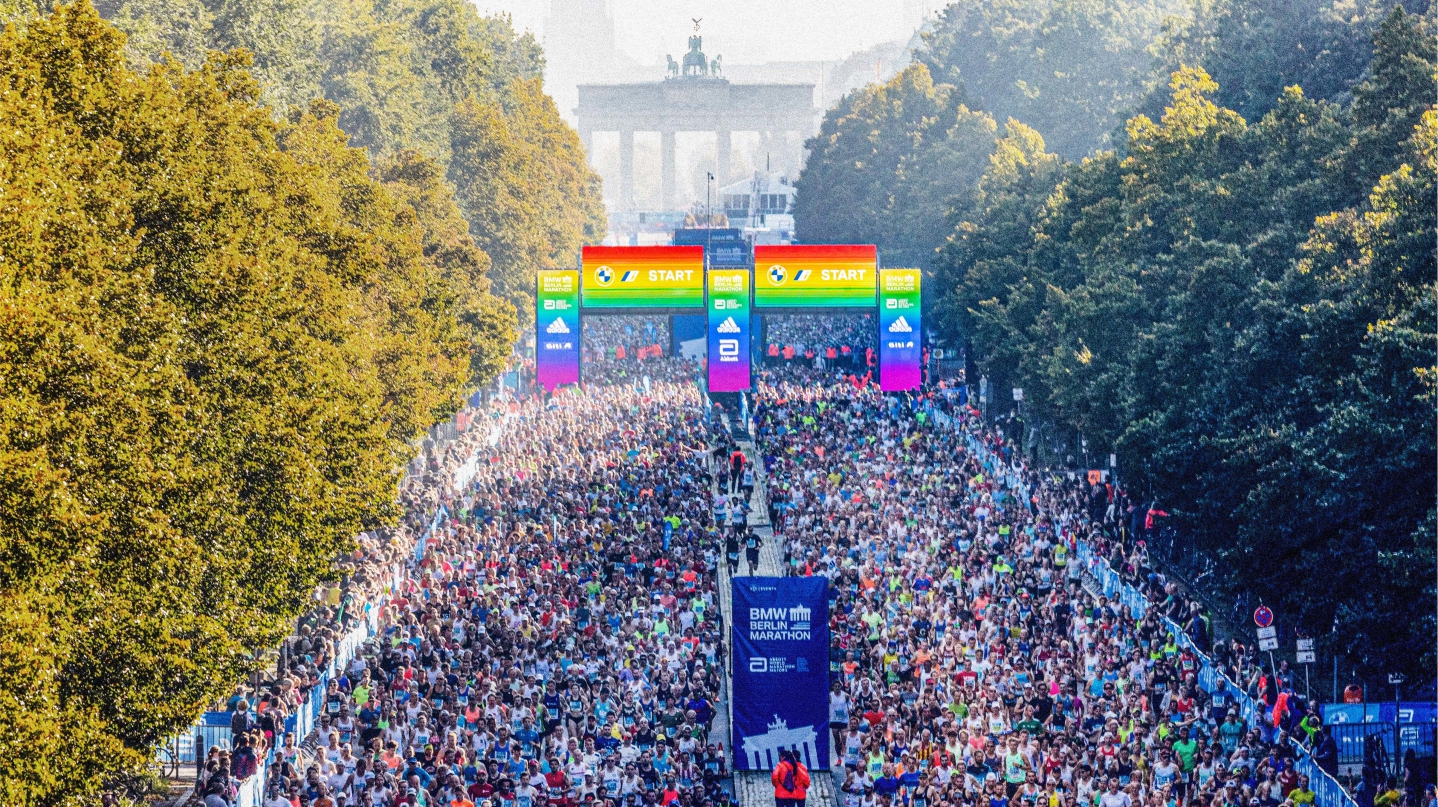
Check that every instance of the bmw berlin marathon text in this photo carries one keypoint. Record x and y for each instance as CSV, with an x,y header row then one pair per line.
x,y
782,625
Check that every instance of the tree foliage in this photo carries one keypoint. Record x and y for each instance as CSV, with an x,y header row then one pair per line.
x,y
523,178
886,162
411,75
218,337
1256,48
1245,313
1068,68
1072,71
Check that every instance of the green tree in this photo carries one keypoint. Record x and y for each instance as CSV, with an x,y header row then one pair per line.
x,y
1351,468
488,321
218,338
523,183
993,286
408,75
885,164
1245,313
1068,68
1256,48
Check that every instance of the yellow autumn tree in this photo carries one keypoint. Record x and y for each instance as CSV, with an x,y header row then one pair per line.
x,y
218,333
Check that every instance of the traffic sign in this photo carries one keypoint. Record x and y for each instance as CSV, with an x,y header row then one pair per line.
x,y
1267,644
1269,632
1018,393
1263,617
1395,678
1305,644
1306,657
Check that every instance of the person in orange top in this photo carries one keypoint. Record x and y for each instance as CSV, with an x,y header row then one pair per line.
x,y
391,757
791,780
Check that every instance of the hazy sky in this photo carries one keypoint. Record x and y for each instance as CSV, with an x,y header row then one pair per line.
x,y
744,31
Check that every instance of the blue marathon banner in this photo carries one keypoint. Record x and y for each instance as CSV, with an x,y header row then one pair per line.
x,y
781,671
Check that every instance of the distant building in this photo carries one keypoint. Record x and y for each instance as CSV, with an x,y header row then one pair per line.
x,y
762,205
579,46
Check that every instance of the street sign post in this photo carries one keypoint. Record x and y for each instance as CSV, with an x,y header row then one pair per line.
x,y
1267,635
1396,679
1306,657
1263,617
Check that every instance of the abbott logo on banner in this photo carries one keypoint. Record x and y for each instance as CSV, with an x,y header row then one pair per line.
x,y
780,624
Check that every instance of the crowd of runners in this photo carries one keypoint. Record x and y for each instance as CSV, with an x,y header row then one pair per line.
x,y
969,664
560,643
832,342
611,339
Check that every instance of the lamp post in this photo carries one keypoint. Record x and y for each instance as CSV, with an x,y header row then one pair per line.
x,y
708,217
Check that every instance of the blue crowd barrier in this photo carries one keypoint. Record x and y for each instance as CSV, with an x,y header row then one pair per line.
x,y
213,728
421,546
1326,790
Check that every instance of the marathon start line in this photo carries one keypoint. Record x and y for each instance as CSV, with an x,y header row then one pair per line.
x,y
678,280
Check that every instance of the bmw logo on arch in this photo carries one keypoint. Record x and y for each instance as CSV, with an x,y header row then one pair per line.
x,y
778,274
604,275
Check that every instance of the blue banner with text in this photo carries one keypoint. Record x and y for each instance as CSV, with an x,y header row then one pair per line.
x,y
781,671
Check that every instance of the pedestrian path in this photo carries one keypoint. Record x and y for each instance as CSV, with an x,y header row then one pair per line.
x,y
753,787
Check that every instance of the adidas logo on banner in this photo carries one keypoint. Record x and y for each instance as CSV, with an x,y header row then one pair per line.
x,y
900,325
728,326
557,326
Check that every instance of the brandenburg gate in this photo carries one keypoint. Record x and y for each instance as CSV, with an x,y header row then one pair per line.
x,y
694,97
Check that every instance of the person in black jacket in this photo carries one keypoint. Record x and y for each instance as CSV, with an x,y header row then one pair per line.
x,y
1325,751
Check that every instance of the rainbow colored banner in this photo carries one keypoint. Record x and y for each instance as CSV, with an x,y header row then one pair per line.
x,y
556,326
644,278
901,343
815,275
729,369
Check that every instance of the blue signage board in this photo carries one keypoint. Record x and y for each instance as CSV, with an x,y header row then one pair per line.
x,y
729,330
781,671
1413,718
